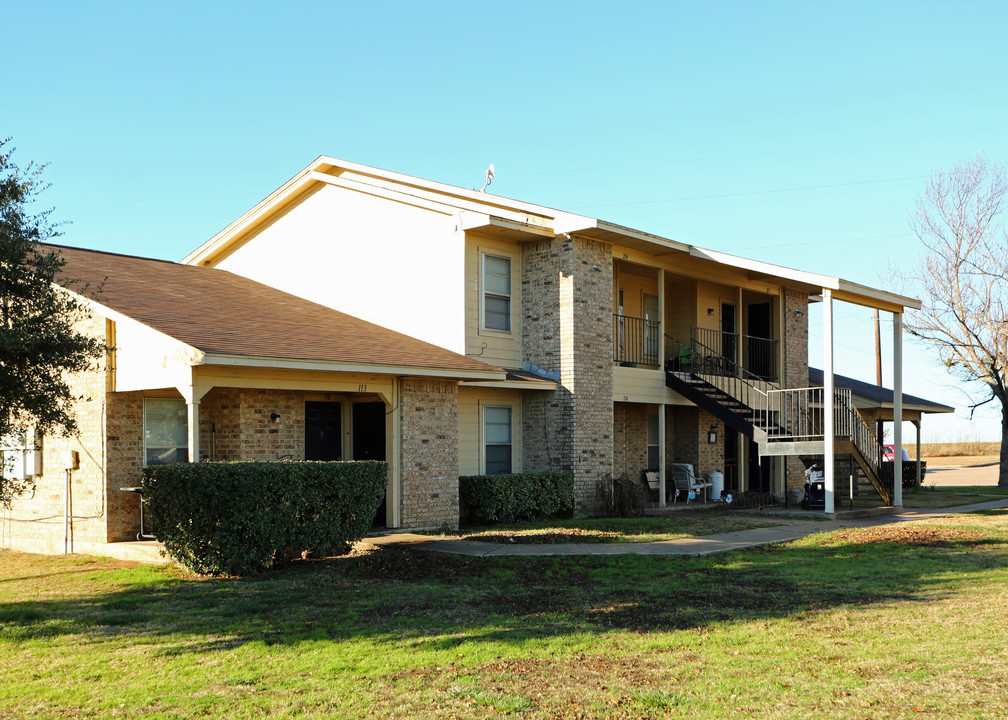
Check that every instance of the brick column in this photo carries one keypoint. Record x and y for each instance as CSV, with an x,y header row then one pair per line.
x,y
795,345
429,453
567,329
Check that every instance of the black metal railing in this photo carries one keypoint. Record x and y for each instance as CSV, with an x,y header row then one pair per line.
x,y
635,340
755,354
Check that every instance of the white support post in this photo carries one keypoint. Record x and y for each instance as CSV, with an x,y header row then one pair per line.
x,y
192,409
898,408
393,445
192,394
920,479
661,322
829,434
661,455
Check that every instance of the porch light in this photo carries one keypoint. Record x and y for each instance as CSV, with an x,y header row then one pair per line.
x,y
275,418
712,435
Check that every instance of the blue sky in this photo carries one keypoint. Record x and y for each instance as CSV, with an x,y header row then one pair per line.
x,y
796,133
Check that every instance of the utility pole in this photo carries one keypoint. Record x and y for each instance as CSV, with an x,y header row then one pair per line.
x,y
878,351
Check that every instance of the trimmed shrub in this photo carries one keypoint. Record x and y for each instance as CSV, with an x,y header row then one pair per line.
x,y
521,496
235,518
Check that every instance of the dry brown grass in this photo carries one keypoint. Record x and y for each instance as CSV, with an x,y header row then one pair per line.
x,y
956,449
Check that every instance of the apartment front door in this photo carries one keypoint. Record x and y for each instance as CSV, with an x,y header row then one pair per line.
x,y
323,431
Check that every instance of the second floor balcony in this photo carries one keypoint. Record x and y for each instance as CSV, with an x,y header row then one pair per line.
x,y
637,343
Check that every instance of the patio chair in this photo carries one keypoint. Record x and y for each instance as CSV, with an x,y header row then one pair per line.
x,y
651,478
686,482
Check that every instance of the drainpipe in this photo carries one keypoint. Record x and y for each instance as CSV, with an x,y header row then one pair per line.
x,y
66,514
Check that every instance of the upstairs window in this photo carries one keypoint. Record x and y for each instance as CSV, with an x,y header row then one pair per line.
x,y
497,438
166,431
496,293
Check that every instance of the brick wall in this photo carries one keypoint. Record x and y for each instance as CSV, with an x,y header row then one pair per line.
x,y
710,457
796,309
36,520
682,434
124,460
429,453
629,439
567,329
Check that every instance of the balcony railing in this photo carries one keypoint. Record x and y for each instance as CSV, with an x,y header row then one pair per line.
x,y
755,354
635,340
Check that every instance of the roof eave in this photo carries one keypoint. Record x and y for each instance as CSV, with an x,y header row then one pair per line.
x,y
342,366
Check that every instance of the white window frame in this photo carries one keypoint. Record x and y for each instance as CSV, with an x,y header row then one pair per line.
x,y
21,455
166,447
655,445
511,434
485,293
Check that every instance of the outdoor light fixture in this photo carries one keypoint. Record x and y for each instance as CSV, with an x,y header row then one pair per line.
x,y
712,435
710,311
798,313
275,418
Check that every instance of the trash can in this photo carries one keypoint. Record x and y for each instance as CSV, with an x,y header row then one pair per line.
x,y
716,478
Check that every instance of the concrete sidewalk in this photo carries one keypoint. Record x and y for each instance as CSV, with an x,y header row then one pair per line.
x,y
703,545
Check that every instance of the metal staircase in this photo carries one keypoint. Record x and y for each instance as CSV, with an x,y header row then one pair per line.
x,y
782,422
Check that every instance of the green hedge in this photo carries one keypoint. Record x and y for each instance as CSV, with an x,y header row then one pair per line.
x,y
521,496
235,517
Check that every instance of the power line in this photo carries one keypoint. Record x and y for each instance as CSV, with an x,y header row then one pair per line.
x,y
755,192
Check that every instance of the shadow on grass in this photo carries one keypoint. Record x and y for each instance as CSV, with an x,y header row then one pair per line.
x,y
395,595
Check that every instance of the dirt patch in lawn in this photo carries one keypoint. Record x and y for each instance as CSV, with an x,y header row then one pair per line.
x,y
914,535
578,686
545,537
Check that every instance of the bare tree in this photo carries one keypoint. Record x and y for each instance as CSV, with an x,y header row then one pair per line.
x,y
963,277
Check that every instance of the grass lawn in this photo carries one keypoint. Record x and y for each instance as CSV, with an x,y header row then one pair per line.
x,y
932,497
606,530
903,620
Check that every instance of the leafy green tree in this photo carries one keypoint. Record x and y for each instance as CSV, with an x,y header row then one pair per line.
x,y
40,345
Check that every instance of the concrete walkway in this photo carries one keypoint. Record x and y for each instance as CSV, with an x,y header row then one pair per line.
x,y
703,545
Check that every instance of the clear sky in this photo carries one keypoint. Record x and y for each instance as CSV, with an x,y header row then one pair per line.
x,y
796,133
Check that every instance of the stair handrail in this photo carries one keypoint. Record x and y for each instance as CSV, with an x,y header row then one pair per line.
x,y
713,367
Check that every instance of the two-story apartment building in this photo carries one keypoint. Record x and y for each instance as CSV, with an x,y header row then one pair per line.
x,y
567,343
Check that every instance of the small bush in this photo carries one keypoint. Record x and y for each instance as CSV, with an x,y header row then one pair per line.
x,y
521,496
622,497
235,517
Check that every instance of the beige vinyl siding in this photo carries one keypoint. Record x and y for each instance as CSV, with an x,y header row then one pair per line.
x,y
634,288
645,385
680,309
497,347
471,402
710,296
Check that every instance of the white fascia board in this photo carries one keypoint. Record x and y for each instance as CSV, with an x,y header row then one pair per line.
x,y
469,220
452,194
642,236
566,223
381,192
883,296
764,268
511,384
849,291
459,200
190,354
271,201
332,366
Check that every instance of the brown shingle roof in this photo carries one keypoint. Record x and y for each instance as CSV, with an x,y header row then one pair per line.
x,y
222,313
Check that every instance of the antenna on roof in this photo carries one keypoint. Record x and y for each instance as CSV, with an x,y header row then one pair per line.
x,y
489,178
